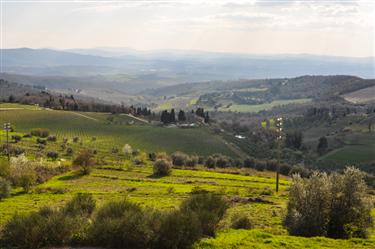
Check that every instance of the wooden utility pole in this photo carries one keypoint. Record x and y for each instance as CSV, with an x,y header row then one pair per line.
x,y
7,129
279,125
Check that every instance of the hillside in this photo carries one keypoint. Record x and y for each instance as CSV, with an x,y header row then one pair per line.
x,y
115,131
257,95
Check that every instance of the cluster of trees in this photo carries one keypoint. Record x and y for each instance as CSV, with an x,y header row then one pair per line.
x,y
167,117
116,224
335,205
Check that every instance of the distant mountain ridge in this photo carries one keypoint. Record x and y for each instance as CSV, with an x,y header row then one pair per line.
x,y
185,66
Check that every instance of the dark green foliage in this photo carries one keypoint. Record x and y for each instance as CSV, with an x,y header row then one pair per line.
x,y
210,162
45,228
241,222
294,140
52,154
41,141
249,162
322,145
162,167
121,224
336,206
260,165
16,138
84,160
83,204
51,138
285,169
5,188
40,132
179,158
152,156
179,230
209,208
181,116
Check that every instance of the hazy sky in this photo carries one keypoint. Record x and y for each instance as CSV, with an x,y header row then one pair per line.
x,y
317,27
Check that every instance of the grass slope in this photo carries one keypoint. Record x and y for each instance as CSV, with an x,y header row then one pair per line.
x,y
117,133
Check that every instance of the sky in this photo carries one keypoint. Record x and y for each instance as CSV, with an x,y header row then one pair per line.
x,y
324,27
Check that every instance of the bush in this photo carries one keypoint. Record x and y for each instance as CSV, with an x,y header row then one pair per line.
x,y
4,188
84,160
41,141
210,162
152,156
53,155
4,168
209,208
75,139
241,222
260,165
83,204
16,138
336,206
222,161
22,172
121,224
302,171
191,161
162,167
178,230
179,158
44,228
249,162
69,151
40,132
52,138
271,165
127,150
285,169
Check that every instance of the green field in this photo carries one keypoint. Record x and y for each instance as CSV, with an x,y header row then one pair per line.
x,y
145,137
359,147
262,107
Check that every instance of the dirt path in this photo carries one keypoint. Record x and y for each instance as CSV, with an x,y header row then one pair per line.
x,y
136,118
88,117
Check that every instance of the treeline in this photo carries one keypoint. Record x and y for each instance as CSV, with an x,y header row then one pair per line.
x,y
72,103
169,117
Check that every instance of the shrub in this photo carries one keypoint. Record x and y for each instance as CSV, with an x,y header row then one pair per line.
x,y
152,156
209,208
350,214
178,230
271,165
22,172
191,161
69,151
53,155
85,161
210,162
114,150
222,161
52,138
249,162
260,165
16,138
162,167
75,139
40,132
241,222
179,158
127,150
4,168
27,135
121,224
4,188
335,206
83,204
41,141
302,171
44,228
285,169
